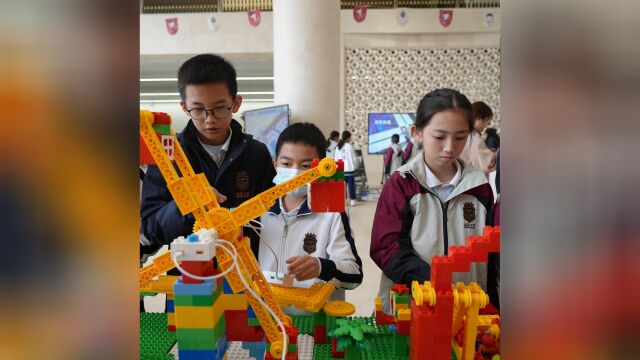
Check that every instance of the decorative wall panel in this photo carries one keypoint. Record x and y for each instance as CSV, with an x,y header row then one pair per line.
x,y
394,80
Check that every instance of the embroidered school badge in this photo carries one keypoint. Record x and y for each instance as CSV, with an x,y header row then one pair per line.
x,y
309,243
469,212
242,180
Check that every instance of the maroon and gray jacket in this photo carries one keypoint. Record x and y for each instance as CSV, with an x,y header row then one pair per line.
x,y
412,224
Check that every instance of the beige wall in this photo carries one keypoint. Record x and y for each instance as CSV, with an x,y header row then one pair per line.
x,y
380,30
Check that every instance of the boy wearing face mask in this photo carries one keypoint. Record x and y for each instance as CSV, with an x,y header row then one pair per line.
x,y
307,245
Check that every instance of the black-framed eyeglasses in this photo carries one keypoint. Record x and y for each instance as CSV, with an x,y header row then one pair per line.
x,y
200,114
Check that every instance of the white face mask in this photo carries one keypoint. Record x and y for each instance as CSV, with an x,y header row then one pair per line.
x,y
284,174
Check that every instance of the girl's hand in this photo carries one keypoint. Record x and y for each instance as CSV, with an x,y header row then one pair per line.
x,y
303,267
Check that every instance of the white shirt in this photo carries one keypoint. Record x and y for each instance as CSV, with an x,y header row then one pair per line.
x,y
217,152
442,190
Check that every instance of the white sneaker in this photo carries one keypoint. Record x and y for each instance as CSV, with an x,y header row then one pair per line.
x,y
353,202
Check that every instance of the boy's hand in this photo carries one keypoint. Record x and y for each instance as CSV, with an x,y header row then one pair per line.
x,y
221,198
304,267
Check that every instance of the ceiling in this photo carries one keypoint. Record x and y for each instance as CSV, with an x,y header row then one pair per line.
x,y
166,67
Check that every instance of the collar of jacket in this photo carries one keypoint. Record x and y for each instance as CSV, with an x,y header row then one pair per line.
x,y
304,209
238,143
469,177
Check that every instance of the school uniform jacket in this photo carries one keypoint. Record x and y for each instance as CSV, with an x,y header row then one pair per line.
x,y
246,171
412,224
348,155
326,236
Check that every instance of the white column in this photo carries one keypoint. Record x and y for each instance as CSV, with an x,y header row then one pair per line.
x,y
306,60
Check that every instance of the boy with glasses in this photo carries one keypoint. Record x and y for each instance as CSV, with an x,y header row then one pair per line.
x,y
238,166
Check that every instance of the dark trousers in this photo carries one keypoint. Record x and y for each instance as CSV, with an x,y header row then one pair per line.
x,y
350,179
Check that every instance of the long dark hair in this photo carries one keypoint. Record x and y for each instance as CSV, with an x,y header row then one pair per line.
x,y
346,135
334,135
442,100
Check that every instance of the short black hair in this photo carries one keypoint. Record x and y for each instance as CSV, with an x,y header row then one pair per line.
x,y
395,138
206,69
443,100
304,133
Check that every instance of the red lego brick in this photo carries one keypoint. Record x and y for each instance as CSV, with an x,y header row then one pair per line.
x,y
171,328
384,319
404,328
319,334
160,118
400,289
292,333
198,268
334,349
237,328
327,196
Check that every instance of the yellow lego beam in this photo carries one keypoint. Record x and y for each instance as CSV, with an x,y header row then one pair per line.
x,y
311,299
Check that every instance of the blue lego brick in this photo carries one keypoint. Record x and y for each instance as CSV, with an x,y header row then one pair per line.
x,y
208,287
198,355
170,307
260,345
257,353
226,288
250,313
217,354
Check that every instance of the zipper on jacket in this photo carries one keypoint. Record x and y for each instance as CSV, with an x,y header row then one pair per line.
x,y
282,247
445,228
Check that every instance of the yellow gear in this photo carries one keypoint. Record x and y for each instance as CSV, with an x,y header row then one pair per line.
x,y
339,308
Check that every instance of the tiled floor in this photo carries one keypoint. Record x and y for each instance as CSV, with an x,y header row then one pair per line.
x,y
361,218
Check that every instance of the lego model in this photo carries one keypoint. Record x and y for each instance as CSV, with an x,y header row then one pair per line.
x,y
222,296
217,234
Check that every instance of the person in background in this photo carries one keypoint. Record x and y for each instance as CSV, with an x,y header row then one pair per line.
x,y
344,151
393,156
332,142
476,151
413,148
493,139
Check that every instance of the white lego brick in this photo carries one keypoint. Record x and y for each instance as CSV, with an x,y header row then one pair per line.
x,y
204,249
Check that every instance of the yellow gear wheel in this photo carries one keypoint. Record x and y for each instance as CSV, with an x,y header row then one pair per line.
x,y
327,167
416,292
339,308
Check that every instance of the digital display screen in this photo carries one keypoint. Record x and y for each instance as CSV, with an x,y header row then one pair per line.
x,y
383,125
266,125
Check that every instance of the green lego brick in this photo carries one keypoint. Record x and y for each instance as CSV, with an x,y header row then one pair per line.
x,y
198,300
291,348
383,349
197,339
193,300
400,345
322,352
155,340
254,322
219,329
401,299
320,318
147,293
162,129
453,354
304,323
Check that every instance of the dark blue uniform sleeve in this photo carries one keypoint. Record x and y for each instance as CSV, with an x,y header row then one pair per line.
x,y
161,220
